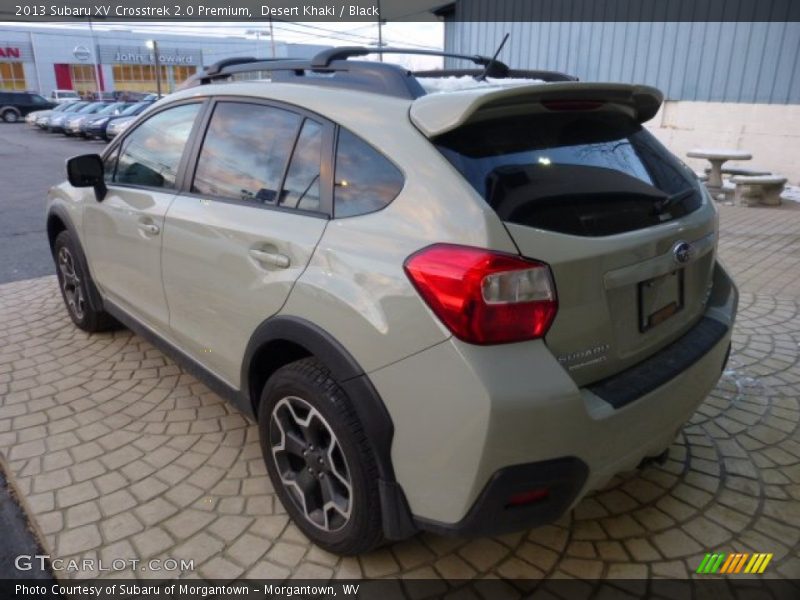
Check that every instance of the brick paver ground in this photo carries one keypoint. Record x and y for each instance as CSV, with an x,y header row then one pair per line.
x,y
119,453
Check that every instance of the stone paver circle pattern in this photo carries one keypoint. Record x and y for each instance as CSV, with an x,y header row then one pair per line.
x,y
118,453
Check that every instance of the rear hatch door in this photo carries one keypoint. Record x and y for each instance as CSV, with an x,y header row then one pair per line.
x,y
626,228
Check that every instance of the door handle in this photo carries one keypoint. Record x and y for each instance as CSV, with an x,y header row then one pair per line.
x,y
150,228
273,259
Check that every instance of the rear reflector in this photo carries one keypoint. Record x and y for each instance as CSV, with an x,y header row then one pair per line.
x,y
484,297
528,497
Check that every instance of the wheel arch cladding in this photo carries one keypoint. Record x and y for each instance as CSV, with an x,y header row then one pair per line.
x,y
58,221
283,339
55,225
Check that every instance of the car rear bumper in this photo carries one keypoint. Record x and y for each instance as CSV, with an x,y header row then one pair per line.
x,y
467,416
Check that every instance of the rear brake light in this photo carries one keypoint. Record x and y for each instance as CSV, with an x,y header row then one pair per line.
x,y
572,104
485,297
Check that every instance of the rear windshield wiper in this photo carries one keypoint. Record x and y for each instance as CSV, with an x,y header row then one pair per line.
x,y
669,201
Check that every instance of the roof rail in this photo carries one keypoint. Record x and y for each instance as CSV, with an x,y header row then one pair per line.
x,y
218,66
326,57
382,78
330,68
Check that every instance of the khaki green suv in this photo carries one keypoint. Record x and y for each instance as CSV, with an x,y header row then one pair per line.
x,y
453,301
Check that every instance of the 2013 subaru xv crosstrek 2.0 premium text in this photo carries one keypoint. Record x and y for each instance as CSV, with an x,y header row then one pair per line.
x,y
457,311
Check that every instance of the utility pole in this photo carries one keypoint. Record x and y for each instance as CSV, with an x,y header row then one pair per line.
x,y
152,44
94,59
272,37
258,33
380,32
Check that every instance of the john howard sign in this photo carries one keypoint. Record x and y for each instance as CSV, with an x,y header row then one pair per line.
x,y
133,55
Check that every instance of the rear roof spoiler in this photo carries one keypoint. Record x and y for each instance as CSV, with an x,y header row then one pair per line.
x,y
435,114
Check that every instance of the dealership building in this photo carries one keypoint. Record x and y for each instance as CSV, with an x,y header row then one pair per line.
x,y
44,59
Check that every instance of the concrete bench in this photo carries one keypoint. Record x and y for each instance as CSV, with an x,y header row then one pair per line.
x,y
759,189
717,157
740,171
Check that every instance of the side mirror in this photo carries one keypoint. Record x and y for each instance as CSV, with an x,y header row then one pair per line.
x,y
87,171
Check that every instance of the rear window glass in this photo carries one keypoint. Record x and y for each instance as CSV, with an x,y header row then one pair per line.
x,y
365,180
573,172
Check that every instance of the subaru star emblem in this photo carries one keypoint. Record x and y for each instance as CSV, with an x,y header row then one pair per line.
x,y
682,252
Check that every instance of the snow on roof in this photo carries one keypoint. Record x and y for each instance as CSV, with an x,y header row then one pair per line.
x,y
434,85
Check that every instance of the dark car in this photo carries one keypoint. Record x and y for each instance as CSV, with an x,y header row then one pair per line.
x,y
97,126
15,105
80,127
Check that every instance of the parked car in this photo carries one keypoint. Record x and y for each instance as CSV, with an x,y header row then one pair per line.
x,y
15,105
117,126
78,126
456,311
32,117
61,96
63,121
97,126
60,116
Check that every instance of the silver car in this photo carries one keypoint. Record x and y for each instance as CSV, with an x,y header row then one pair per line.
x,y
455,311
117,126
71,124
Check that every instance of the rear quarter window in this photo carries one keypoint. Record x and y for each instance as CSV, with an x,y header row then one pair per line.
x,y
365,181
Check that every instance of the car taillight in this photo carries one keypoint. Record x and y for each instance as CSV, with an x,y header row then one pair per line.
x,y
484,297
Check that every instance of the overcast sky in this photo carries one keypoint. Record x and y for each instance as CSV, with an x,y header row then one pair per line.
x,y
422,35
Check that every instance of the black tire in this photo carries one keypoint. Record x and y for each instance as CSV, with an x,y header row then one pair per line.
x,y
310,382
77,288
10,116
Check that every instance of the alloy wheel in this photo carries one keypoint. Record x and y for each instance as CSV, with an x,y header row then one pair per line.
x,y
310,463
71,283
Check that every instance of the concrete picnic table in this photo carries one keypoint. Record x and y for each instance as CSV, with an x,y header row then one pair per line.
x,y
717,158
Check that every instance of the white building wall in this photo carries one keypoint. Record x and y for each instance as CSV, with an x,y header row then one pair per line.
x,y
770,132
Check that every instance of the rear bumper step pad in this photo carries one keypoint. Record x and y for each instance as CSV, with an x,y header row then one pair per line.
x,y
653,372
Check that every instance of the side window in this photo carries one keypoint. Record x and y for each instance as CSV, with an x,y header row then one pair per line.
x,y
245,151
301,188
365,180
150,154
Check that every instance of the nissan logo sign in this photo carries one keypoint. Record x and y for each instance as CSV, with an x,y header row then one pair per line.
x,y
81,53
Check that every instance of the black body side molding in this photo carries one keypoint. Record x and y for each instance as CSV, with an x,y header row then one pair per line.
x,y
187,362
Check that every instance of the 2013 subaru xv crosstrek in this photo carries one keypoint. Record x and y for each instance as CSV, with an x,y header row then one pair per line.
x,y
455,311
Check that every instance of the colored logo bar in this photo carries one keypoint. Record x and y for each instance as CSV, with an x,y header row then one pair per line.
x,y
733,563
